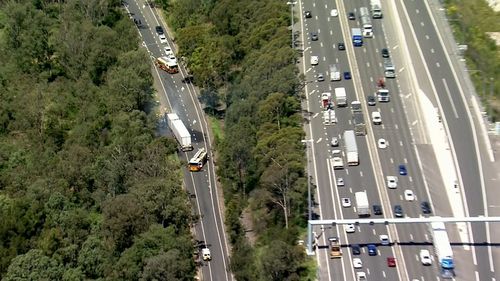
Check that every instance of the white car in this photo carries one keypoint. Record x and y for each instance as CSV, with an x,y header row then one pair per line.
x,y
168,51
392,182
334,142
334,13
361,276
409,196
425,257
205,253
349,228
382,143
340,182
163,39
314,60
357,263
346,202
376,118
384,240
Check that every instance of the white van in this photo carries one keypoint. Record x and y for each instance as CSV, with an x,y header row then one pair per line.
x,y
335,72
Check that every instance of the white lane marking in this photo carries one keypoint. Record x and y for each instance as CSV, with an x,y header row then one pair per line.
x,y
321,44
414,123
432,50
360,173
427,37
406,161
316,114
392,161
477,275
400,143
319,140
417,11
383,274
450,98
437,64
422,23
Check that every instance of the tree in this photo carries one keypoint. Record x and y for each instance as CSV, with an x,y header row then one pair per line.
x,y
124,217
210,98
281,261
167,266
34,265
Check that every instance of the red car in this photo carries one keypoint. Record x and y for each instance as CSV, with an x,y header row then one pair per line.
x,y
391,262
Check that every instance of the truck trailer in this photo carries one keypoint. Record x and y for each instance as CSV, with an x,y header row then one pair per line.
x,y
351,148
340,97
366,22
443,250
362,205
180,131
359,123
357,37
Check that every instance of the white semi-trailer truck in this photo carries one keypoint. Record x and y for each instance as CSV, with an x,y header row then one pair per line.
x,y
443,250
362,205
180,131
351,148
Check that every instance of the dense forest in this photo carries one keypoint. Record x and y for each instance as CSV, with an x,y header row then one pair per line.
x,y
87,189
240,55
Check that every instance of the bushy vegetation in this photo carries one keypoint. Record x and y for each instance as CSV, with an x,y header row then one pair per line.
x,y
240,51
87,190
472,20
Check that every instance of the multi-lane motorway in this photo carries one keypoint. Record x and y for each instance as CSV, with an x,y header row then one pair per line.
x,y
181,98
424,72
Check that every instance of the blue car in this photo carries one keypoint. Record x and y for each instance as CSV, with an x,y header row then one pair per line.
x,y
402,170
372,249
347,75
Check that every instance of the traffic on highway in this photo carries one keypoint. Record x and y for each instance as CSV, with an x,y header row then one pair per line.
x,y
184,120
370,150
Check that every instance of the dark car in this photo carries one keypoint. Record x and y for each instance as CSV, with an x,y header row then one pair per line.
x,y
391,262
320,77
385,52
351,16
402,170
159,30
308,14
356,249
188,79
314,36
372,249
341,46
371,100
377,209
398,211
426,207
347,75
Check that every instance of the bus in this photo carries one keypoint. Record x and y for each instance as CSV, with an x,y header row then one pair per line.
x,y
198,161
168,64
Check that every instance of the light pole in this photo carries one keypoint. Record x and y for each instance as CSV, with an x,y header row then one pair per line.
x,y
309,250
492,85
291,10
